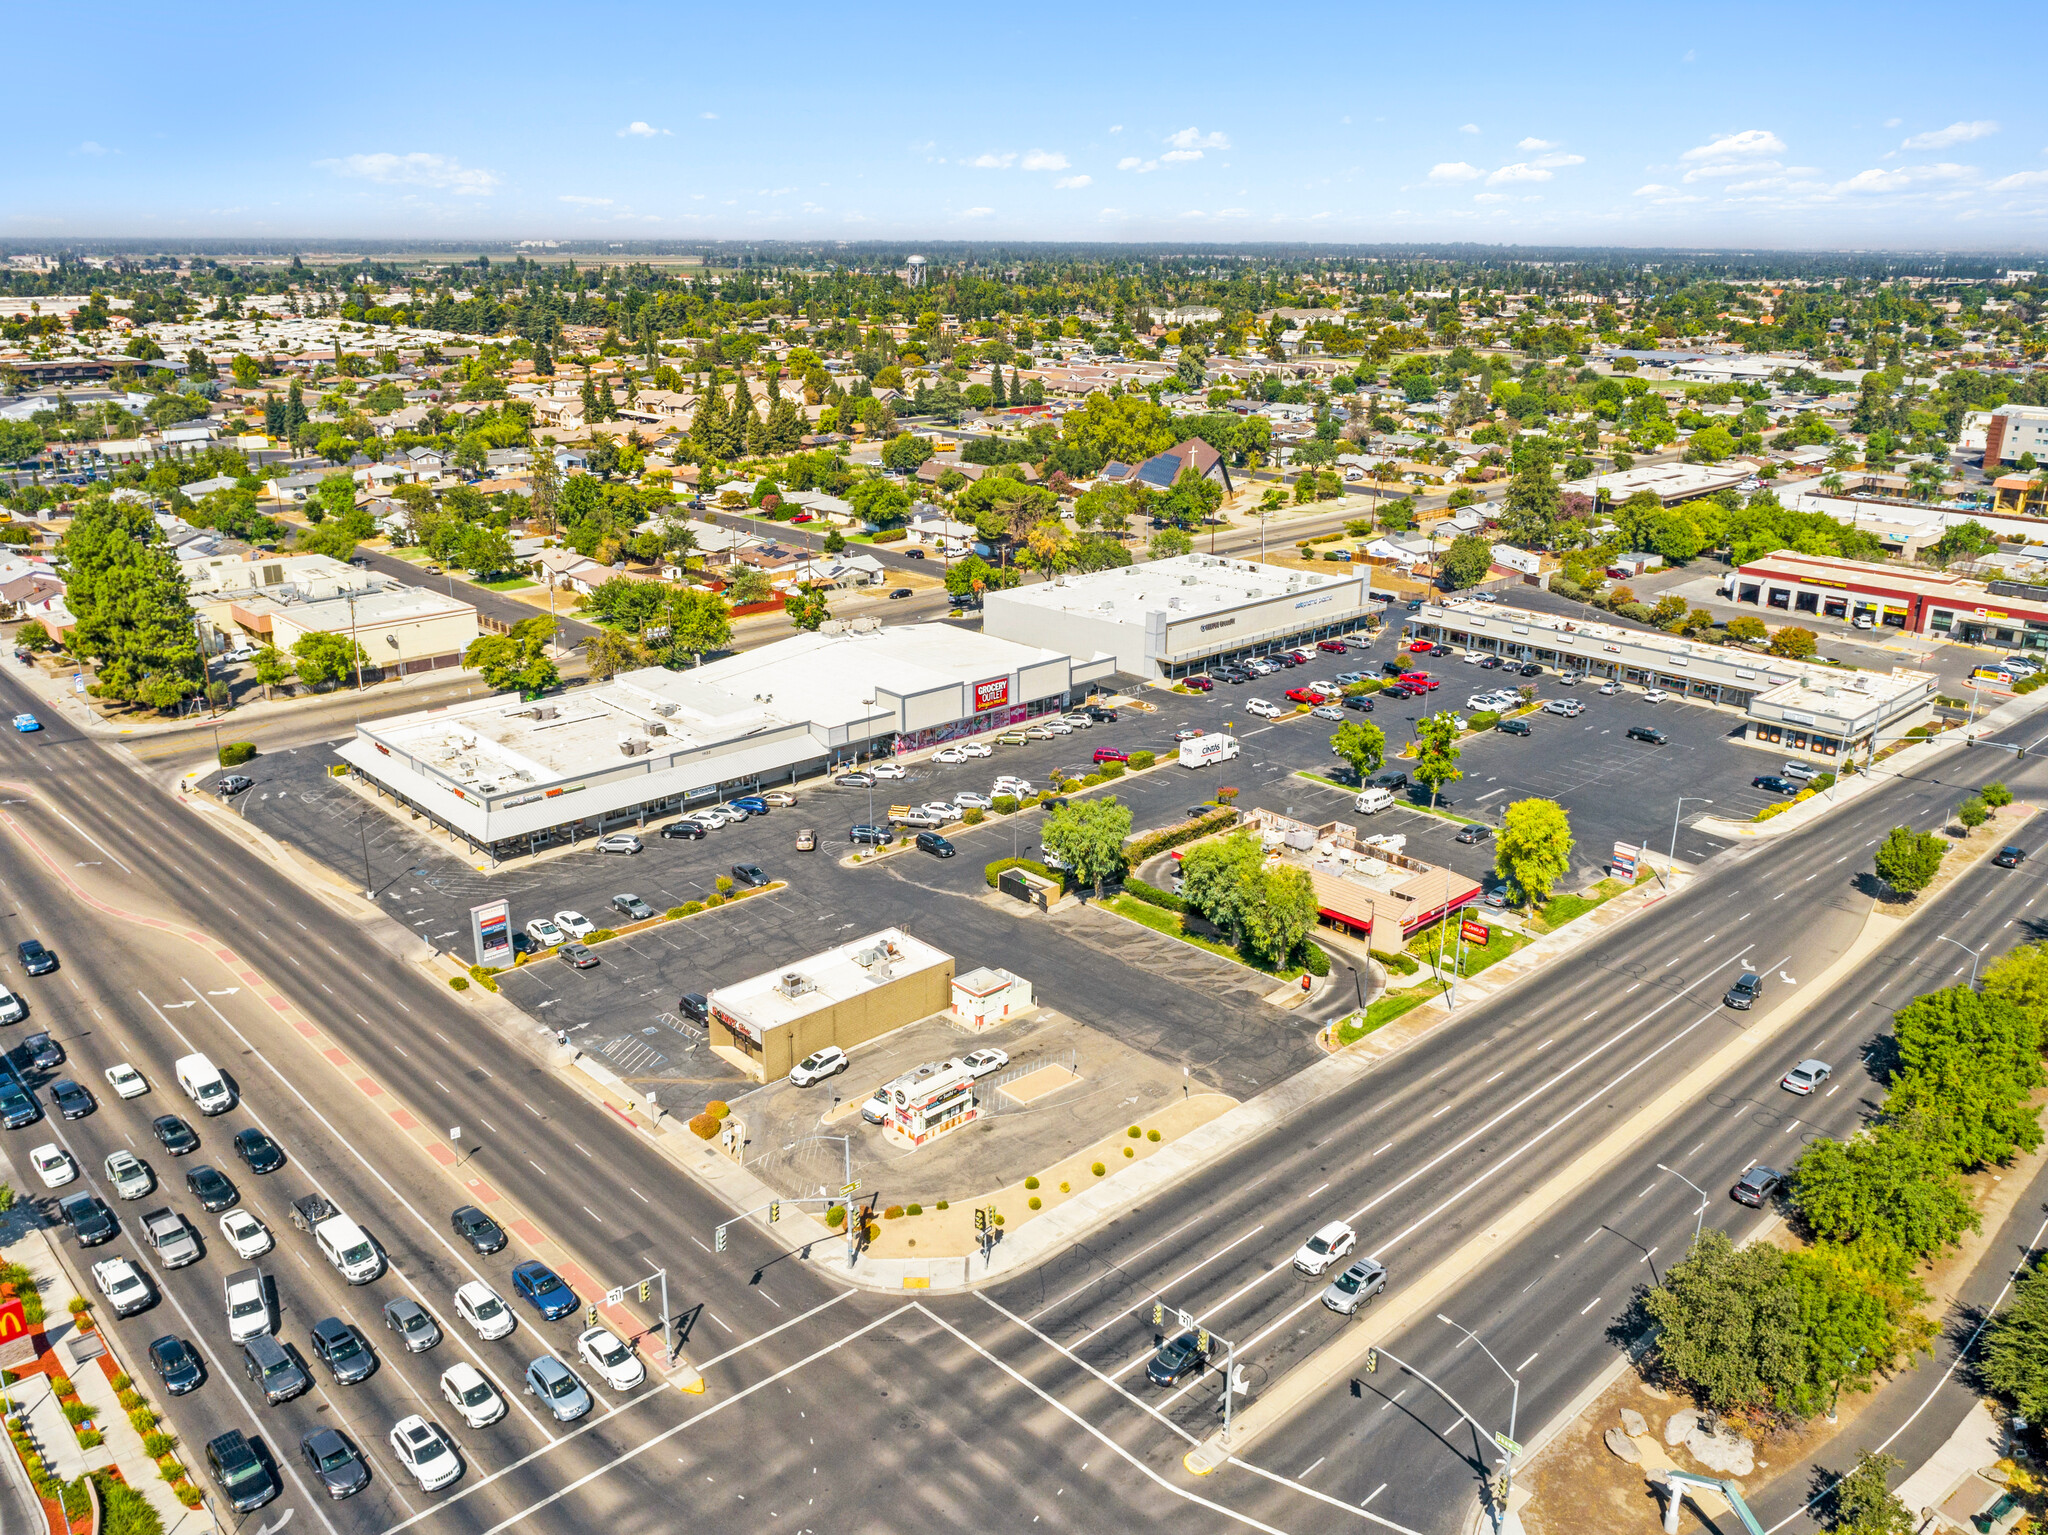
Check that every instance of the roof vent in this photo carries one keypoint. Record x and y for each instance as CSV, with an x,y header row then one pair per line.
x,y
795,983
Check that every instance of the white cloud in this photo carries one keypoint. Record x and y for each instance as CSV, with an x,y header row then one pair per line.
x,y
1751,141
1134,163
1194,138
1233,213
1455,170
442,172
977,213
2020,180
1045,160
1521,170
1529,145
639,130
1194,213
1893,122
1651,189
1180,156
1954,133
993,162
1115,128
1903,177
712,117
1070,183
91,148
1469,128
1556,162
585,202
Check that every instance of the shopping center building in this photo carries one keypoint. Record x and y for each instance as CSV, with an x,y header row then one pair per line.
x,y
1799,705
1785,585
1172,617
510,776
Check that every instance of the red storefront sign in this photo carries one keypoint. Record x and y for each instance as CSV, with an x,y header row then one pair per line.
x,y
992,694
1475,932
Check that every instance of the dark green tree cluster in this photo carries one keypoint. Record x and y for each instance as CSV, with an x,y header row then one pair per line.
x,y
1268,912
128,595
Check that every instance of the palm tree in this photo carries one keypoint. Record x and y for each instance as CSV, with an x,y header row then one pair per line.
x,y
1831,482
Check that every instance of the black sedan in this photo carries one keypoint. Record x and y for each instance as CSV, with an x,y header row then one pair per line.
x,y
40,1051
176,1364
72,1100
2010,857
342,1349
692,830
90,1219
211,1187
258,1151
483,1234
1178,1358
174,1135
335,1463
35,959
1770,783
901,591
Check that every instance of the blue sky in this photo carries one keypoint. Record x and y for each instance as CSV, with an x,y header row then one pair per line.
x,y
1733,125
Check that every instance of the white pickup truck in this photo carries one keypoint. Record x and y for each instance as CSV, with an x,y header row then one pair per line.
x,y
248,1307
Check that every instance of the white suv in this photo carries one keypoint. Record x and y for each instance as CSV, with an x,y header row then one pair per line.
x,y
819,1065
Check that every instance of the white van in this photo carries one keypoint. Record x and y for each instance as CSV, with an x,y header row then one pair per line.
x,y
1204,750
204,1085
348,1247
1373,801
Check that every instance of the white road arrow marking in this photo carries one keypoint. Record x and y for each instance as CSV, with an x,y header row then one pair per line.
x,y
228,993
1786,979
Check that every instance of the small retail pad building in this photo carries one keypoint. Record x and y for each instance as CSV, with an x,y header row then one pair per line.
x,y
510,776
1799,705
845,996
1784,585
1173,617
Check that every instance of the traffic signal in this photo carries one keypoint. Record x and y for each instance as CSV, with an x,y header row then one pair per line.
x,y
1372,1361
980,1218
774,1211
1202,1340
590,1316
1158,1314
645,1287
718,1238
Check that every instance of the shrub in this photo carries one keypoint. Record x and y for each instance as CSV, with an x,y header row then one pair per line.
x,y
235,753
1005,804
1402,964
156,1444
77,1412
890,535
1485,719
674,912
913,1209
1109,770
1098,1169
1152,895
123,1383
1315,961
723,884
1134,1132
718,1108
603,933
1140,848
704,1126
1031,1182
1071,785
974,816
459,982
691,908
1130,1151
1090,781
894,1212
1140,760
836,1217
994,871
943,1205
1151,1135
482,977
130,1399
1065,1189
1034,1202
90,1438
1638,611
1996,795
713,901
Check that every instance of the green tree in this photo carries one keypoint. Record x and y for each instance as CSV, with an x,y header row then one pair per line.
x,y
322,659
1908,860
1362,744
245,370
745,584
329,538
1730,1321
1467,562
2016,1346
905,451
1748,628
1168,543
129,598
1436,755
1534,848
698,621
19,440
1970,1063
609,652
972,576
518,659
1973,812
272,668
1529,512
1794,643
1890,1186
486,551
1216,878
1192,501
1963,540
806,608
1088,836
333,496
1865,1503
1279,912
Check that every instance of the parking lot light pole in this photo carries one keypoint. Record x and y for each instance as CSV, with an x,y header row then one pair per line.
x,y
1507,1475
1702,1213
1676,811
1975,954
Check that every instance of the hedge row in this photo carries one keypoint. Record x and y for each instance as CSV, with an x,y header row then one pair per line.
x,y
1138,849
993,872
890,536
1402,963
1152,895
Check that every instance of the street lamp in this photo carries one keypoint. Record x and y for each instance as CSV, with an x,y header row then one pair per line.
x,y
1975,954
1676,810
1701,1215
1507,1476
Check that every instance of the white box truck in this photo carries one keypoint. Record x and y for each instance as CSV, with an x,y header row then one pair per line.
x,y
1205,750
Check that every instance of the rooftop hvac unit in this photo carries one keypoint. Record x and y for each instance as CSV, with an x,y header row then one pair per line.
x,y
832,626
656,728
634,746
1174,603
866,624
795,983
666,711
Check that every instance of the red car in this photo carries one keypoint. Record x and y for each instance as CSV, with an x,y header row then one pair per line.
x,y
1111,754
1419,682
1199,684
1335,647
1302,657
1420,647
801,517
1305,696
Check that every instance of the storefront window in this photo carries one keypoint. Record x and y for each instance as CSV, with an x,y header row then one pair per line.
x,y
1942,621
1771,733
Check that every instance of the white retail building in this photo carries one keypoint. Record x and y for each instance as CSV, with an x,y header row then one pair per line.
x,y
510,776
1168,618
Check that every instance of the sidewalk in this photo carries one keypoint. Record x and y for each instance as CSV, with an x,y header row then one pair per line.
x,y
88,1361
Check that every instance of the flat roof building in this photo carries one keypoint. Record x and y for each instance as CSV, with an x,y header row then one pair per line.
x,y
511,776
1168,618
1788,585
1802,705
1669,483
845,996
